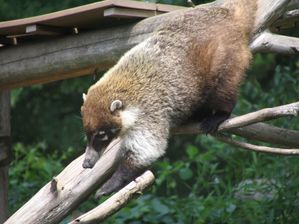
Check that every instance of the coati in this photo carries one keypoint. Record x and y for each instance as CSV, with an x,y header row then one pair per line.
x,y
188,70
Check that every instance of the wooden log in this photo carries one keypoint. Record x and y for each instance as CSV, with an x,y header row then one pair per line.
x,y
67,190
4,153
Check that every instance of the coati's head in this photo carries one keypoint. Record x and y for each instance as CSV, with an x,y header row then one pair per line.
x,y
104,118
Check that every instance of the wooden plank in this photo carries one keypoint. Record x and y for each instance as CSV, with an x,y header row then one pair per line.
x,y
71,56
128,13
4,152
8,40
90,14
46,30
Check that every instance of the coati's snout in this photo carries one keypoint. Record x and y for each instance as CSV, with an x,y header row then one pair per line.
x,y
91,157
102,125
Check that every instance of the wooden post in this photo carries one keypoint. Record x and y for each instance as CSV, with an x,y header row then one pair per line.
x,y
4,153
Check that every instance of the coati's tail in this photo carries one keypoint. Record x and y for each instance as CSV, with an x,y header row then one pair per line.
x,y
244,11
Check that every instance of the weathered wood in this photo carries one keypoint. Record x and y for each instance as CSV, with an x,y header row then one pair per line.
x,y
265,16
68,56
273,43
82,54
3,193
4,153
117,201
67,190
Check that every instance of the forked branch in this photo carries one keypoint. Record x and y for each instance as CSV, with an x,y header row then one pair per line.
x,y
248,126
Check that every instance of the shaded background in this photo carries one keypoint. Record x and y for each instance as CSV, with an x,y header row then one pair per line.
x,y
200,180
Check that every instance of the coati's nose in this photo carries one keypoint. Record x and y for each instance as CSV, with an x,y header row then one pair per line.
x,y
87,163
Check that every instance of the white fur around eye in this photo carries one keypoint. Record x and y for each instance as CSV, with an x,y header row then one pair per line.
x,y
104,138
116,104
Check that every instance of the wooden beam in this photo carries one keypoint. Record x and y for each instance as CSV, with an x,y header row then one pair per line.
x,y
4,153
129,13
8,40
70,56
46,30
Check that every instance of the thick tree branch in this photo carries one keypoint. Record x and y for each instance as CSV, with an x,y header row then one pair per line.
x,y
267,133
273,43
117,201
72,186
289,20
268,12
268,15
261,115
262,132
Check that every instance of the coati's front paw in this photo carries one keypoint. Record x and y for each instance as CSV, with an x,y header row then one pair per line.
x,y
100,193
122,176
111,186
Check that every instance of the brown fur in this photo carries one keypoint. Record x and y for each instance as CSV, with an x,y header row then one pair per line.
x,y
190,68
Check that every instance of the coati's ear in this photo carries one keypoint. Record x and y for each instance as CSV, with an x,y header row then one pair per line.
x,y
84,96
115,105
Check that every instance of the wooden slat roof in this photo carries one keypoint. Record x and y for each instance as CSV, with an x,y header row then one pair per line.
x,y
97,15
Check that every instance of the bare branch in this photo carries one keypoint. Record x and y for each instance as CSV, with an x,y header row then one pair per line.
x,y
257,148
273,43
268,133
117,201
260,131
261,115
289,20
245,120
268,12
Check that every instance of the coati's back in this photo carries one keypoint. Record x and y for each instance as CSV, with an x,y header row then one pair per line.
x,y
189,58
189,69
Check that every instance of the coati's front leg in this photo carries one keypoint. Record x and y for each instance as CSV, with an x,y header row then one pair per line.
x,y
124,174
143,146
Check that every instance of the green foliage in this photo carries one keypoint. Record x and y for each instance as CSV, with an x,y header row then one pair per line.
x,y
199,181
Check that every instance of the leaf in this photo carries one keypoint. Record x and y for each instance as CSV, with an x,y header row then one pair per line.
x,y
185,173
192,151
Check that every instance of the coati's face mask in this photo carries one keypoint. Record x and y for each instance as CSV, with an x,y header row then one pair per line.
x,y
101,126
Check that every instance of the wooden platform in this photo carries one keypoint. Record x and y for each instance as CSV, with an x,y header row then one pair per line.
x,y
98,15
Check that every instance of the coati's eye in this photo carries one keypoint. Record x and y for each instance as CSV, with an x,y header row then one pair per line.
x,y
101,135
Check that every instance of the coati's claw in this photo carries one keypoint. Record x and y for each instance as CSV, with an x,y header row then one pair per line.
x,y
100,193
209,126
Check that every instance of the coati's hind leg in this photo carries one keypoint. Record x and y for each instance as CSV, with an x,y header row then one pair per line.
x,y
220,106
211,123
